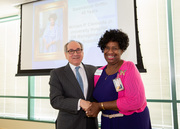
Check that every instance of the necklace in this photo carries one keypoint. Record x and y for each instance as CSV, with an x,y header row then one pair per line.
x,y
106,77
113,70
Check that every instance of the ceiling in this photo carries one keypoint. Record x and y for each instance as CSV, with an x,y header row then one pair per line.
x,y
11,7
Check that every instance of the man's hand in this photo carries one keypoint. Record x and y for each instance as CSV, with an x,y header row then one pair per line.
x,y
85,104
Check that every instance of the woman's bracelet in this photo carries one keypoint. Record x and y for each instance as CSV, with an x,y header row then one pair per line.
x,y
102,106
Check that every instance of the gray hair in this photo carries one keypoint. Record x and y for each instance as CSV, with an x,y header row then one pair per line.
x,y
65,46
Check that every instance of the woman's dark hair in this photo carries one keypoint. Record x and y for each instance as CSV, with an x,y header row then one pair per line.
x,y
114,35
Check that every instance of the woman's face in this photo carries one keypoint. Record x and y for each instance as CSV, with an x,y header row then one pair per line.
x,y
52,21
112,52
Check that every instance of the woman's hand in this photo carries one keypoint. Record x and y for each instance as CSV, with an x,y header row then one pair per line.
x,y
93,110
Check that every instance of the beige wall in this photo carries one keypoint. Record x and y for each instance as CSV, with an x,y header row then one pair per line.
x,y
17,124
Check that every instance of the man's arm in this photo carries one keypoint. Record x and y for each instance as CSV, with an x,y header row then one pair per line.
x,y
58,98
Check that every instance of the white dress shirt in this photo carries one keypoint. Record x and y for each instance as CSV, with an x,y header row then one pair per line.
x,y
84,79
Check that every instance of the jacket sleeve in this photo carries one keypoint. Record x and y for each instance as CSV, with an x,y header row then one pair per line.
x,y
59,99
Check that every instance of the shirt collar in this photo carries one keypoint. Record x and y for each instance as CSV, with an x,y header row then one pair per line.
x,y
73,66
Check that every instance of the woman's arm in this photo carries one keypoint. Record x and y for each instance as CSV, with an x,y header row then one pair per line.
x,y
95,107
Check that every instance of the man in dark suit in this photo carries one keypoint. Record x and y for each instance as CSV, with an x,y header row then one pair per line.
x,y
66,94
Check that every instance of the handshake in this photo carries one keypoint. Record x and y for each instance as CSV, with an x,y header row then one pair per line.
x,y
91,108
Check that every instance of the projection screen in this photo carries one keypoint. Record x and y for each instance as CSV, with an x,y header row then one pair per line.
x,y
42,48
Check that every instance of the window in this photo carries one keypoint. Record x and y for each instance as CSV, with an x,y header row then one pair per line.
x,y
13,91
176,46
152,24
21,97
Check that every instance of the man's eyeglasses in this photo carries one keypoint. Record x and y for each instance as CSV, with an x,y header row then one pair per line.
x,y
78,51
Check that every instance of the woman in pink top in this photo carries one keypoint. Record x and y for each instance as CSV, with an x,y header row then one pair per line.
x,y
119,89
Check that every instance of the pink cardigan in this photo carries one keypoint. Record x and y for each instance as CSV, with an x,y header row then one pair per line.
x,y
132,98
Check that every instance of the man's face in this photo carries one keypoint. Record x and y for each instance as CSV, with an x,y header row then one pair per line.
x,y
76,57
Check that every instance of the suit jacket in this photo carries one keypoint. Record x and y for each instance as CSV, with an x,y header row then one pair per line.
x,y
64,95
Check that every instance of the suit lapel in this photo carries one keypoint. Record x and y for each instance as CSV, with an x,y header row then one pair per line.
x,y
89,92
72,78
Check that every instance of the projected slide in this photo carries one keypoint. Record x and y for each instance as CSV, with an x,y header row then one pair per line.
x,y
87,21
49,24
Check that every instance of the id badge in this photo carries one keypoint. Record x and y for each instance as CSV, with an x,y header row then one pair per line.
x,y
118,84
98,72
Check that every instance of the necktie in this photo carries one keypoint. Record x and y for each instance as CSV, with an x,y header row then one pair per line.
x,y
78,76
